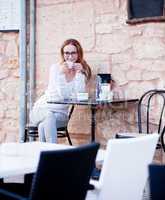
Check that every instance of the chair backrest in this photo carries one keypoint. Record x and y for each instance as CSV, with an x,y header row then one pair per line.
x,y
125,168
151,105
157,181
162,138
64,174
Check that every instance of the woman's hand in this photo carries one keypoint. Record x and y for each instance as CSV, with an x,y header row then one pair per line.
x,y
64,68
70,72
78,67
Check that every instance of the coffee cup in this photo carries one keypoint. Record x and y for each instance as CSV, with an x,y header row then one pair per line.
x,y
70,64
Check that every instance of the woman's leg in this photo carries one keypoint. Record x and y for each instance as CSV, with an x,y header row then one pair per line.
x,y
41,132
53,121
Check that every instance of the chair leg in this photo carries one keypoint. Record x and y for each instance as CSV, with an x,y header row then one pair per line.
x,y
31,133
25,136
162,139
68,136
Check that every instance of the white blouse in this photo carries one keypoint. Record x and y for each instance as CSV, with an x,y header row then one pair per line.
x,y
59,89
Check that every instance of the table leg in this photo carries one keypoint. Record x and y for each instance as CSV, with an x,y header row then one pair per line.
x,y
93,122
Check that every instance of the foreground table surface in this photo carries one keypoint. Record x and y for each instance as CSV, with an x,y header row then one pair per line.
x,y
22,158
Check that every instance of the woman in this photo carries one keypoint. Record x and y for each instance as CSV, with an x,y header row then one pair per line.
x,y
65,80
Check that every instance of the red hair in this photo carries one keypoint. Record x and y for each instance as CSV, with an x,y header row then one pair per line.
x,y
86,67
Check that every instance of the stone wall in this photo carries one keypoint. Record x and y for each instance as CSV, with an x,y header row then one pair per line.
x,y
9,85
133,54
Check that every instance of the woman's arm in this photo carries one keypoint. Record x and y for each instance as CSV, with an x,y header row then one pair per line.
x,y
60,87
53,77
80,82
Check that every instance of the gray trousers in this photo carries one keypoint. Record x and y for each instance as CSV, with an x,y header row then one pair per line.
x,y
47,122
47,129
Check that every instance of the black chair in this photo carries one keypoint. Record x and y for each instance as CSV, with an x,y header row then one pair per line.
x,y
146,102
31,132
148,106
19,188
157,181
61,175
162,138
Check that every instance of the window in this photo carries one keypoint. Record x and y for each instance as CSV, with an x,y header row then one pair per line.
x,y
140,11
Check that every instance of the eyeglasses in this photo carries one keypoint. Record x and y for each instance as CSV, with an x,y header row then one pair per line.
x,y
72,53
